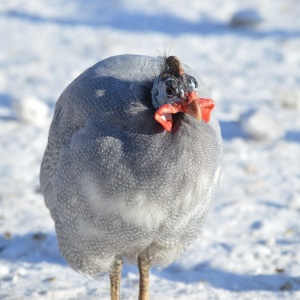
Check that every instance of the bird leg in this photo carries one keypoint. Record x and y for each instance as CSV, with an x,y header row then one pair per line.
x,y
115,279
144,267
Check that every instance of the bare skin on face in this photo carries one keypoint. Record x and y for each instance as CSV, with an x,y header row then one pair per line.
x,y
182,88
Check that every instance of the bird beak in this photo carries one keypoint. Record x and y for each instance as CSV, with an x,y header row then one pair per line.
x,y
199,108
191,105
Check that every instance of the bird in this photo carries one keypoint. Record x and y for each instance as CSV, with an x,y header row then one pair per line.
x,y
132,164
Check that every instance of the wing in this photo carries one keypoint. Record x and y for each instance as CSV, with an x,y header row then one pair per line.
x,y
51,158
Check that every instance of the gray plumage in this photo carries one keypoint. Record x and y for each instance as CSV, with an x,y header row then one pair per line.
x,y
116,183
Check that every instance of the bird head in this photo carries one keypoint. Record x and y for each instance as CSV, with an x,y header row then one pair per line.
x,y
175,91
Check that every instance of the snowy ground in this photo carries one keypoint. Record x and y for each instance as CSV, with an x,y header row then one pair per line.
x,y
250,245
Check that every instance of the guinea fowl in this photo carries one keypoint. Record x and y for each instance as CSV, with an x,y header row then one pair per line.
x,y
132,163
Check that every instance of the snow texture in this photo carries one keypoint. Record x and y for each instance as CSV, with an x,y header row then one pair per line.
x,y
250,245
261,125
30,110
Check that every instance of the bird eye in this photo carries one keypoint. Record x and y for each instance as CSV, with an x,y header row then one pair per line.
x,y
169,92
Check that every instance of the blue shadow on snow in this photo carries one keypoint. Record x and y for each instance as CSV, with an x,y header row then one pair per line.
x,y
37,248
292,136
230,281
5,102
121,19
31,247
231,130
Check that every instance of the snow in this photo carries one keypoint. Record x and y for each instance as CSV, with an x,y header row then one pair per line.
x,y
261,125
250,244
30,110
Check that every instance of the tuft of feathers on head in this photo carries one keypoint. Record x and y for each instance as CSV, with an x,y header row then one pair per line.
x,y
172,66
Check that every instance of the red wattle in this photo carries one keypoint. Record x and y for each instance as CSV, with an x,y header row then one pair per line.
x,y
206,105
163,115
